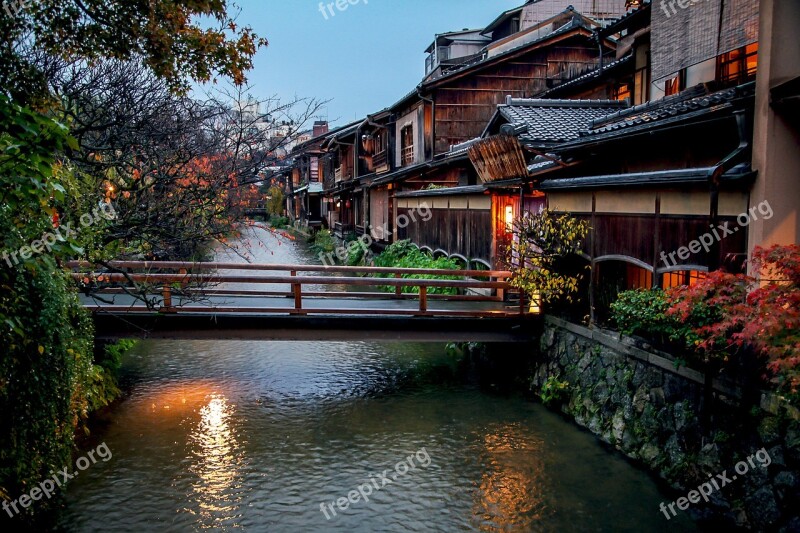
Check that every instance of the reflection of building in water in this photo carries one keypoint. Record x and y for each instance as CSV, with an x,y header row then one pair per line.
x,y
511,496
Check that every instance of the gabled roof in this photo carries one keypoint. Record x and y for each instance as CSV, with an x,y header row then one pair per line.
x,y
342,133
546,122
405,100
320,138
576,24
465,35
502,18
635,16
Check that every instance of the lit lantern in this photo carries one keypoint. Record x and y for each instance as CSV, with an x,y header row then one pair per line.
x,y
509,218
347,204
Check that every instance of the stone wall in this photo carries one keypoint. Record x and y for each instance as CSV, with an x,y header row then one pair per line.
x,y
640,402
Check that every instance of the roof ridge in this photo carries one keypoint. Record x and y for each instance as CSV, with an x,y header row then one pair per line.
x,y
698,91
561,102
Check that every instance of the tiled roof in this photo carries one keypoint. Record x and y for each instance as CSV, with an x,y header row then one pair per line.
x,y
555,121
686,103
617,25
458,149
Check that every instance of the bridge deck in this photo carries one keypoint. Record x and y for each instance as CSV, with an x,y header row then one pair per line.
x,y
214,300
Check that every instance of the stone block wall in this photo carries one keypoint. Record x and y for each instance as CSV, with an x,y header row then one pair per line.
x,y
640,402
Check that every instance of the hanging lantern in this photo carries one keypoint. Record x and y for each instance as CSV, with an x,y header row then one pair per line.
x,y
347,204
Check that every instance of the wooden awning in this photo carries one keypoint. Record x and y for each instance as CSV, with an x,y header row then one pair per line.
x,y
498,157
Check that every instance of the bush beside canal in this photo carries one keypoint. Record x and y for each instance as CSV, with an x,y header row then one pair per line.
x,y
403,254
653,411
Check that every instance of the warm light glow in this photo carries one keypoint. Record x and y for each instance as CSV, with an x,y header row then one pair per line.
x,y
216,459
509,217
510,495
536,304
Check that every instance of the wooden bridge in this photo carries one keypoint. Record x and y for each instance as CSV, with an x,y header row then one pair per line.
x,y
178,300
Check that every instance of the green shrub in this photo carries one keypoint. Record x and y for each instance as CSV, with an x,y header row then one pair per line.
x,y
323,242
105,373
643,312
355,255
278,222
403,254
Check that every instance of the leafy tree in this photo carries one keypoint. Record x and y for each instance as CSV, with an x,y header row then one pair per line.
x,y
46,364
759,312
276,201
178,40
543,245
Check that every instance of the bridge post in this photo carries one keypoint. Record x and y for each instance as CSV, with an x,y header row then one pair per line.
x,y
297,289
398,291
423,299
166,294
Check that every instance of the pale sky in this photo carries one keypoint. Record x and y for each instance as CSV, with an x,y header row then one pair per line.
x,y
364,58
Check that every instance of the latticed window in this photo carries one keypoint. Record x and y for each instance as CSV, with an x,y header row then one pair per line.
x,y
622,92
407,145
738,66
638,278
688,278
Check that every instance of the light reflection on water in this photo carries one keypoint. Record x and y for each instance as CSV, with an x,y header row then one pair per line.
x,y
256,435
514,476
217,463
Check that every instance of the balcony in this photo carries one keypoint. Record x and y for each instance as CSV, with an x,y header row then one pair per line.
x,y
380,160
407,155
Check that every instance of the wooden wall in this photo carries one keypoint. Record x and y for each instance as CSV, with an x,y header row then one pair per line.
x,y
465,105
465,232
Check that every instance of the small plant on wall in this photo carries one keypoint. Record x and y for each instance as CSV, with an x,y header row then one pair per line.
x,y
553,391
542,255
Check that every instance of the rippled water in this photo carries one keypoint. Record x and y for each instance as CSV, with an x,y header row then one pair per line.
x,y
257,436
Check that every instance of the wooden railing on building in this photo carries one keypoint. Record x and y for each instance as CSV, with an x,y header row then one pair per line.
x,y
179,287
408,155
380,159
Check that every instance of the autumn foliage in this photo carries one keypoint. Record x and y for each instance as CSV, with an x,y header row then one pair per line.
x,y
759,312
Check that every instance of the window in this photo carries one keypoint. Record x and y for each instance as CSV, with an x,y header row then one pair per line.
x,y
380,142
638,278
688,278
641,78
407,145
738,66
676,84
622,92
514,25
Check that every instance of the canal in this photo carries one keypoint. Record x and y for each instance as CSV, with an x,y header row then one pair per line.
x,y
269,436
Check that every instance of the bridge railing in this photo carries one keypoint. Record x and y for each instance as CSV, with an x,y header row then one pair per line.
x,y
179,286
